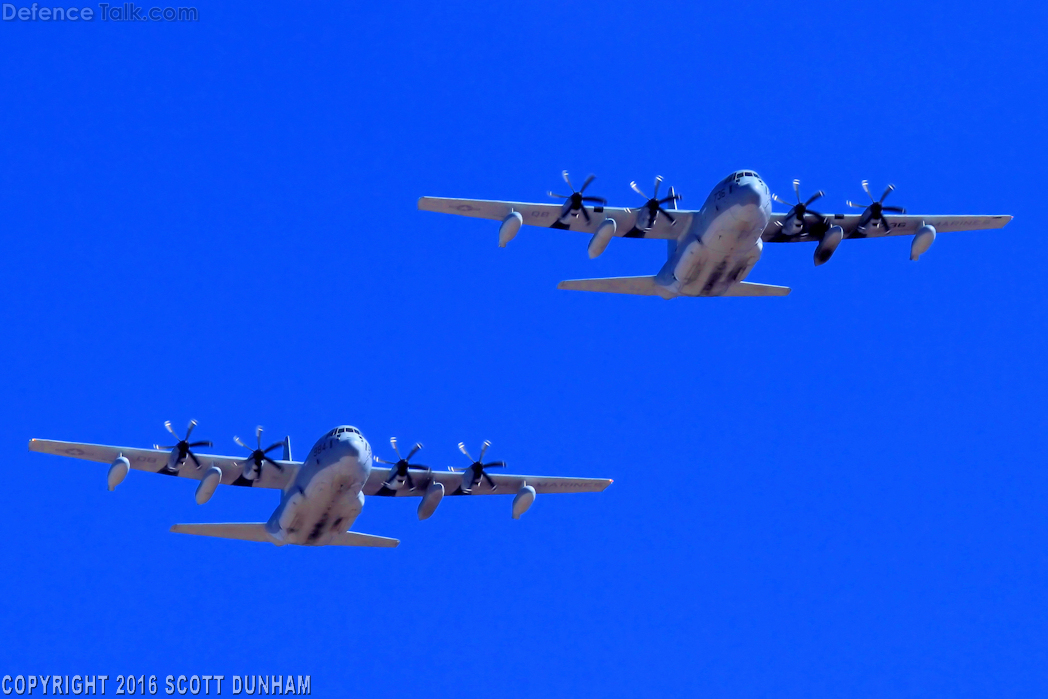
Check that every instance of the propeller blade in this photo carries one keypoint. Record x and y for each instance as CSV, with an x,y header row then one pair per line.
x,y
201,444
167,424
668,215
658,181
462,448
483,448
558,196
240,443
413,452
488,479
854,205
189,428
565,211
496,464
586,183
887,191
383,461
779,199
884,224
866,186
568,180
195,459
157,446
896,209
274,463
271,448
419,467
585,214
813,197
797,189
633,186
389,481
595,200
393,442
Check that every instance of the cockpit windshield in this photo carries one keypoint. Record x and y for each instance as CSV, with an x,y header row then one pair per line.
x,y
342,430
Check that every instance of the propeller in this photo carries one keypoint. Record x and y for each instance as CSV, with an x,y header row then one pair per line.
x,y
400,467
654,204
875,210
799,210
476,469
258,455
183,449
574,203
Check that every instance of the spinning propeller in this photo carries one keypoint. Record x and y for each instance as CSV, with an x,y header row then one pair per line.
x,y
875,211
400,467
183,450
800,209
258,456
654,204
476,469
574,203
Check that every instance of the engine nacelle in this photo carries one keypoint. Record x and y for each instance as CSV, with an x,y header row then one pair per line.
x,y
521,503
510,225
605,232
830,240
434,494
922,241
208,484
118,472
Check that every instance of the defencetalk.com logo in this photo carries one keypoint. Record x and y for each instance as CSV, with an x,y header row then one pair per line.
x,y
107,12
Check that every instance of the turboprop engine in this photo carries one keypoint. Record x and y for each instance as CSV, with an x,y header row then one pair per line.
x,y
922,241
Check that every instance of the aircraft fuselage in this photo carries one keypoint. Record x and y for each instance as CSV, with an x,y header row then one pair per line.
x,y
326,496
723,242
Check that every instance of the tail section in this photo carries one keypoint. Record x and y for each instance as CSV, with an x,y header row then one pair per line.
x,y
647,286
256,531
244,531
637,286
358,539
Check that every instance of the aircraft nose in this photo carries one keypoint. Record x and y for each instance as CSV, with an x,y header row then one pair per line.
x,y
751,191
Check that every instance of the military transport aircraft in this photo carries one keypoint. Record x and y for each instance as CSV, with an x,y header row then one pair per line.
x,y
322,495
712,250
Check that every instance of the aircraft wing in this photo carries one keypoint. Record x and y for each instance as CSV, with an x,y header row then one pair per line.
x,y
155,461
506,484
898,224
545,216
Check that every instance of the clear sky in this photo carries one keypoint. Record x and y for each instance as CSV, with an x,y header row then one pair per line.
x,y
839,493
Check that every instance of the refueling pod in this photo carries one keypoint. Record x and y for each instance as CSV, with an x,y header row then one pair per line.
x,y
118,471
605,232
525,497
208,484
830,240
922,241
510,225
434,494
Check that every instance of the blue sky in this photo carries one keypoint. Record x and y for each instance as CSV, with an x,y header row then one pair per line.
x,y
838,493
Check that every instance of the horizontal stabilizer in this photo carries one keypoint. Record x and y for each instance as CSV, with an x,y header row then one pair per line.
x,y
358,539
751,289
256,531
244,531
647,286
638,286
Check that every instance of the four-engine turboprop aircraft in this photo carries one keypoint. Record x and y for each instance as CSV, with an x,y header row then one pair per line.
x,y
712,250
322,495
